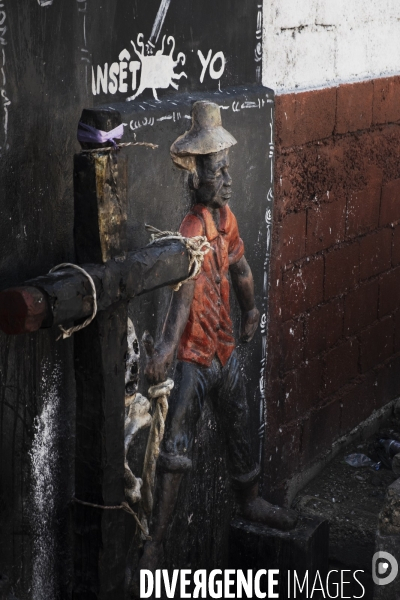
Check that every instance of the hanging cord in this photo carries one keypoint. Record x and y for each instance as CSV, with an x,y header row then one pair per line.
x,y
197,247
118,146
123,506
66,333
159,394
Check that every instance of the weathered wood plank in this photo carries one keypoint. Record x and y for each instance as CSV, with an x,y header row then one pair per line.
x,y
100,234
64,296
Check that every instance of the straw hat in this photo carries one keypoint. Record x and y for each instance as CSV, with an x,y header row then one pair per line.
x,y
206,136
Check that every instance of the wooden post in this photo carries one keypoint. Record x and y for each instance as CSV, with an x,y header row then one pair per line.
x,y
64,296
100,234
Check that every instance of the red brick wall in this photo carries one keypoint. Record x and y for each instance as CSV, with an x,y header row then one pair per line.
x,y
334,330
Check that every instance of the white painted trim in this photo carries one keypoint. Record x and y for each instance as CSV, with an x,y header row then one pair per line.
x,y
313,44
330,84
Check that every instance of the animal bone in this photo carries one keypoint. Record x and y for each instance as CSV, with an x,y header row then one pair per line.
x,y
137,418
136,412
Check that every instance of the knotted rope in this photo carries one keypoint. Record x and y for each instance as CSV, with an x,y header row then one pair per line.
x,y
66,333
159,394
197,247
118,146
123,506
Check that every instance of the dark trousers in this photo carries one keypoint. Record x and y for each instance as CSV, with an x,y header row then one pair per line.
x,y
226,390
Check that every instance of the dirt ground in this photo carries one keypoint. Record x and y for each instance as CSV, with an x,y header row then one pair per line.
x,y
350,499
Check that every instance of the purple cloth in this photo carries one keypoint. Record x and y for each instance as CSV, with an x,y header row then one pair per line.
x,y
91,135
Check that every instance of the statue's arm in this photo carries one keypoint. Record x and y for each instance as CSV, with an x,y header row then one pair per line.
x,y
174,325
243,284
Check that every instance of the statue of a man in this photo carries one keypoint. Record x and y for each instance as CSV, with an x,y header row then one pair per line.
x,y
199,328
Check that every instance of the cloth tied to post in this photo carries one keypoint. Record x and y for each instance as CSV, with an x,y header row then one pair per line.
x,y
91,135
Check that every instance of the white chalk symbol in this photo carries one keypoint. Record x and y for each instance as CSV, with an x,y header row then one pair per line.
x,y
45,2
158,69
209,62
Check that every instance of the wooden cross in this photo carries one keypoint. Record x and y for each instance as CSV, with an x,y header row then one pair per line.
x,y
65,296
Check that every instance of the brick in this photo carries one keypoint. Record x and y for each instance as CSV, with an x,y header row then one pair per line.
x,y
325,225
282,456
358,403
396,246
293,237
302,287
375,253
390,380
341,270
292,344
275,394
390,202
363,206
323,328
389,292
378,385
341,365
354,106
397,332
301,389
320,430
386,105
305,117
377,343
361,307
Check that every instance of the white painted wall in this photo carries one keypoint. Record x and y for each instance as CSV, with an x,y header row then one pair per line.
x,y
316,43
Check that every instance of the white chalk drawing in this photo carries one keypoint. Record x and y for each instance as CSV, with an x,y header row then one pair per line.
x,y
85,58
158,69
264,320
216,70
45,465
258,48
45,2
149,121
236,106
5,101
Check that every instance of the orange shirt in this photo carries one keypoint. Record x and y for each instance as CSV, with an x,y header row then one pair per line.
x,y
209,328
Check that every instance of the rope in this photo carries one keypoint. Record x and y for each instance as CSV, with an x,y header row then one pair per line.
x,y
197,247
66,333
122,145
159,394
123,506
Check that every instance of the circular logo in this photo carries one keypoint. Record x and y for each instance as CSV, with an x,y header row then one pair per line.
x,y
384,568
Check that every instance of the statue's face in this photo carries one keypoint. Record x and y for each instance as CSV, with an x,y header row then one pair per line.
x,y
214,181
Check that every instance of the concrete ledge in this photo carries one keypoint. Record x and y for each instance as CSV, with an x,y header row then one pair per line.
x,y
304,549
362,431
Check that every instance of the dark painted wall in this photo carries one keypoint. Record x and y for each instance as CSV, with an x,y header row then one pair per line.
x,y
158,195
47,50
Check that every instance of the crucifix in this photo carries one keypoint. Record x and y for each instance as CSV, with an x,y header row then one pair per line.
x,y
106,277
94,294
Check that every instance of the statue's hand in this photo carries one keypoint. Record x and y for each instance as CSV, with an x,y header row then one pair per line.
x,y
249,324
158,364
